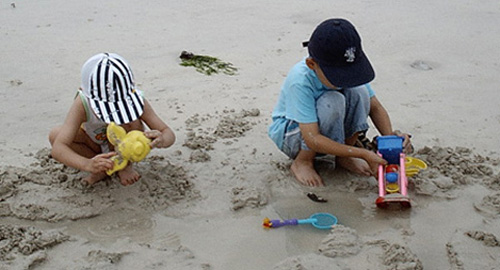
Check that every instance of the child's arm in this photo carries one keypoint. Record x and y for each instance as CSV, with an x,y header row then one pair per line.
x,y
63,151
159,132
380,117
321,144
382,122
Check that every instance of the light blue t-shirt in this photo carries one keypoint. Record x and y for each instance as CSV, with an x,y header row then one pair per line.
x,y
297,100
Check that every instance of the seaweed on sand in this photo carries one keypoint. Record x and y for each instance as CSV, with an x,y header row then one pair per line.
x,y
207,65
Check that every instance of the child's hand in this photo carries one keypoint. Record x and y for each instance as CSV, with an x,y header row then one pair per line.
x,y
407,146
374,161
157,138
101,163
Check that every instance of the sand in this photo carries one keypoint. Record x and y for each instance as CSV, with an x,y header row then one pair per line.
x,y
200,204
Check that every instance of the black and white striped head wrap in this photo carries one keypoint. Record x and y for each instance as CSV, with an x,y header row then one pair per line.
x,y
108,83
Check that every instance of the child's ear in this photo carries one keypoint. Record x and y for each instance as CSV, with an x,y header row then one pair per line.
x,y
311,63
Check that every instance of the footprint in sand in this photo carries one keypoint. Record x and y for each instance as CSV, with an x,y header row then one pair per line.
x,y
490,205
473,249
121,223
421,65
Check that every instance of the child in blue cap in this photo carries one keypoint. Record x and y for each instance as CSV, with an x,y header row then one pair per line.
x,y
325,102
108,94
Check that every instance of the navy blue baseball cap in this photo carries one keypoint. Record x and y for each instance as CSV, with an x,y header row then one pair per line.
x,y
336,46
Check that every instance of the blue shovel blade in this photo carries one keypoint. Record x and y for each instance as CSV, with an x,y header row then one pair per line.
x,y
320,220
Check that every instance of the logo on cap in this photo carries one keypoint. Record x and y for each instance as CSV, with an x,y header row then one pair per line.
x,y
349,54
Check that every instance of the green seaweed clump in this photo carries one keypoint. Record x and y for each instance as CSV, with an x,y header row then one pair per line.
x,y
205,64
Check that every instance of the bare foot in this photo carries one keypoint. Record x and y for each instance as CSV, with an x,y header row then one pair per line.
x,y
128,176
305,173
355,165
93,178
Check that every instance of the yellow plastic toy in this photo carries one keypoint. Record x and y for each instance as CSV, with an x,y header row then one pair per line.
x,y
414,165
133,146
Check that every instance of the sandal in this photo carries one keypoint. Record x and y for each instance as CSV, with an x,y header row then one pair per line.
x,y
364,142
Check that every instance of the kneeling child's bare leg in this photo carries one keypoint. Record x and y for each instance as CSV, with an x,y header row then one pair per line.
x,y
303,169
352,164
94,178
128,176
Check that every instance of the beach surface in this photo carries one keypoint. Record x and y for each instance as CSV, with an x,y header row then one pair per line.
x,y
200,204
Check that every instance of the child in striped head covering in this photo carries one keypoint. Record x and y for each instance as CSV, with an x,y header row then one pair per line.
x,y
107,94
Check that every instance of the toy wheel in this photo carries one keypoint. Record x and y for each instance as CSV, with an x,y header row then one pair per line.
x,y
406,204
381,203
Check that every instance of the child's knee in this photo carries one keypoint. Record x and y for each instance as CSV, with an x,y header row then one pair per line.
x,y
331,100
331,106
53,134
358,95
